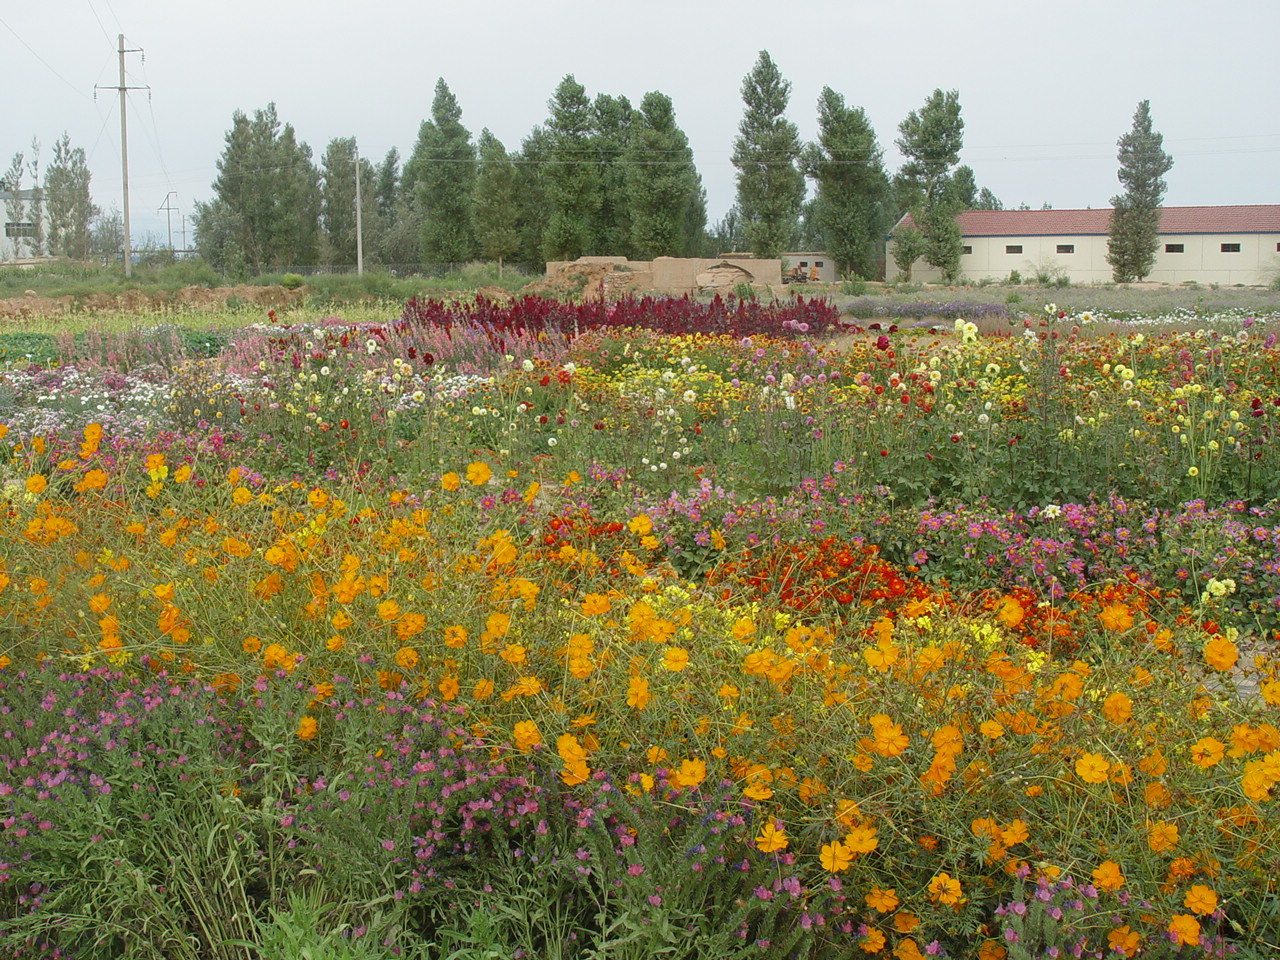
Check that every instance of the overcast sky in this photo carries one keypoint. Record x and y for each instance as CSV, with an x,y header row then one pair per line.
x,y
1046,88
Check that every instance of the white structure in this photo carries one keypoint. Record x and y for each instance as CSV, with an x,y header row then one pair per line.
x,y
21,211
1223,245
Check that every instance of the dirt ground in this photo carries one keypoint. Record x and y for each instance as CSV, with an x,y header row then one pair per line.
x,y
198,298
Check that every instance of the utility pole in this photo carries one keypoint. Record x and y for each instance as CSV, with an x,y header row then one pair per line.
x,y
359,224
124,151
184,233
168,215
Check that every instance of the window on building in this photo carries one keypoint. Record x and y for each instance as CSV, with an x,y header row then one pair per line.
x,y
966,249
818,264
1013,248
1173,248
19,231
1230,248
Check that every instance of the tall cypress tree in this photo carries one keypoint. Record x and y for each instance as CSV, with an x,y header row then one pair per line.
x,y
442,176
847,163
613,119
766,153
1134,229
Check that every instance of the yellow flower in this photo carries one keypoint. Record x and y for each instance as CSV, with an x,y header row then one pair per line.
x,y
594,604
450,482
675,659
36,483
478,473
406,658
641,525
861,839
835,857
1117,707
1220,653
307,728
991,730
1107,876
1162,836
1092,768
885,901
1207,752
1201,899
1116,616
1185,929
526,735
872,942
690,774
638,693
771,838
945,889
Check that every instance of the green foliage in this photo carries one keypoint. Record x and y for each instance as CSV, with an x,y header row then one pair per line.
x,y
574,187
1134,228
266,206
930,138
496,201
69,209
441,177
661,180
291,281
908,247
853,190
612,121
767,154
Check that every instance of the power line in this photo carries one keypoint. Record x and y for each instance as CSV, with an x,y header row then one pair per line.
x,y
105,35
77,90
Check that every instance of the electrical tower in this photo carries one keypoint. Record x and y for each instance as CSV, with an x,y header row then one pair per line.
x,y
123,88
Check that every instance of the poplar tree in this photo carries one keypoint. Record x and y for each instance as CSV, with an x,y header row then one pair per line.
x,y
443,177
931,138
338,200
611,135
266,206
662,184
850,207
767,153
1134,229
572,175
496,202
68,205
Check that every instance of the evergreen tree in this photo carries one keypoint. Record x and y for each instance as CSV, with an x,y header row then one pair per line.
x,y
850,209
387,187
695,240
1134,229
68,205
611,135
766,153
931,138
265,210
338,200
727,234
496,202
987,201
661,182
443,180
533,208
572,178
963,188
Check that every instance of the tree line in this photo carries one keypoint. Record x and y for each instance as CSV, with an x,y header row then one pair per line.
x,y
600,176
72,225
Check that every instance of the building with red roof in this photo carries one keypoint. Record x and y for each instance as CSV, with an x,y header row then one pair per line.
x,y
1237,245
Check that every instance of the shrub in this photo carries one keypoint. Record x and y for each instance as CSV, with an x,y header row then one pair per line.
x,y
291,281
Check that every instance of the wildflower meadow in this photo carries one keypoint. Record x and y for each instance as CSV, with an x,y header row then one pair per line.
x,y
653,628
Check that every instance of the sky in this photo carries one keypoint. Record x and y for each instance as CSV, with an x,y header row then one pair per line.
x,y
1045,89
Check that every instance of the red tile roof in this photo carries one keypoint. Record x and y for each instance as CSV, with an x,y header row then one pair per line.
x,y
1256,218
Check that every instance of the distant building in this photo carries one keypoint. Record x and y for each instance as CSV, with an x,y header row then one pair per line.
x,y
23,224
1223,245
811,265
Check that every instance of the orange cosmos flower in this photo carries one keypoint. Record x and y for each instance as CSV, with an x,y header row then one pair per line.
x,y
1107,876
675,659
1162,836
1185,929
478,473
1207,752
1201,899
690,774
1092,768
1220,653
307,728
1116,616
885,901
1117,707
945,889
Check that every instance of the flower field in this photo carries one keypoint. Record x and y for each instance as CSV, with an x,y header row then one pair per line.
x,y
653,628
